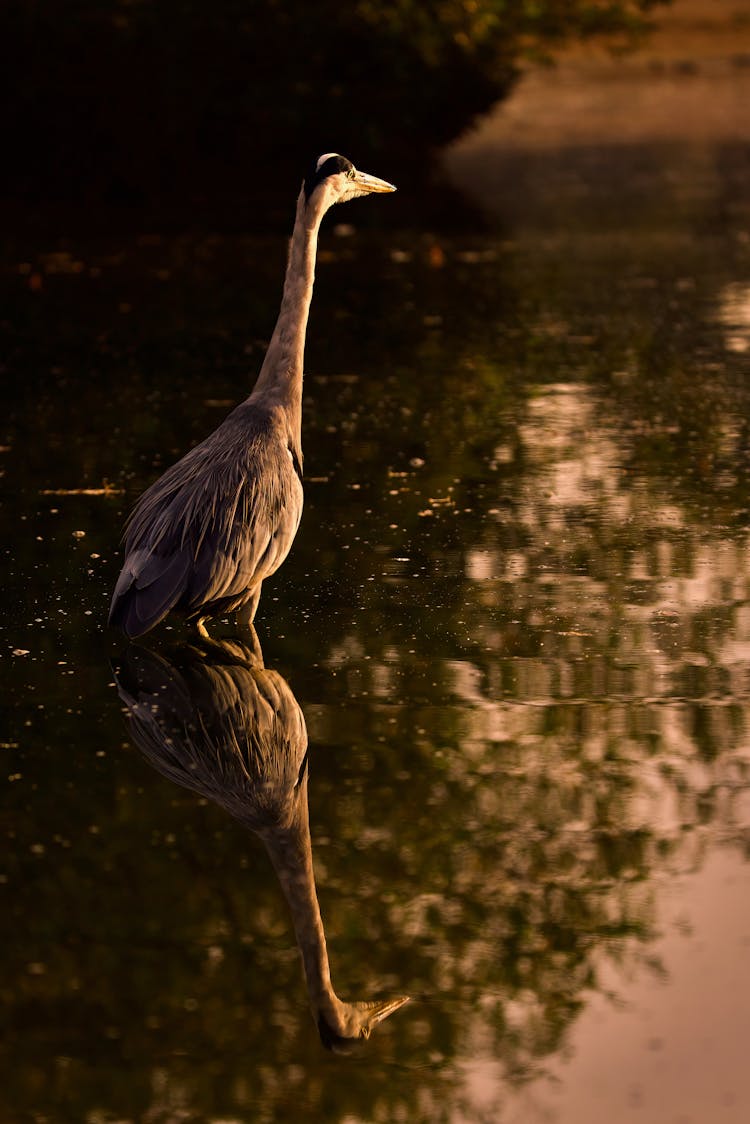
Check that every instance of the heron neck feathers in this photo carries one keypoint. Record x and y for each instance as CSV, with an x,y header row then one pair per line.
x,y
280,378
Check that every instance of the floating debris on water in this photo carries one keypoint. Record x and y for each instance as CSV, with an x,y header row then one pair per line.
x,y
105,490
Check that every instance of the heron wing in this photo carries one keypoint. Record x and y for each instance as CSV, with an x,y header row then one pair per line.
x,y
212,527
148,587
249,534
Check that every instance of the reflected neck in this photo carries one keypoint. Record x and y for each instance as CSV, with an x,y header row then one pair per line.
x,y
290,851
280,378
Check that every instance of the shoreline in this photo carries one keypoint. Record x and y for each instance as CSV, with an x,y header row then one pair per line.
x,y
596,123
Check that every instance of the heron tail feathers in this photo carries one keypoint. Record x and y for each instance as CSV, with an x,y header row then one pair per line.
x,y
148,587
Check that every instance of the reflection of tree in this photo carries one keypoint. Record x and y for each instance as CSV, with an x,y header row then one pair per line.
x,y
597,714
506,842
214,720
734,316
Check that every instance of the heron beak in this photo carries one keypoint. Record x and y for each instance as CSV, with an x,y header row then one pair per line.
x,y
371,183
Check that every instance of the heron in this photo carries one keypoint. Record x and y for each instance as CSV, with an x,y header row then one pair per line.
x,y
203,537
211,718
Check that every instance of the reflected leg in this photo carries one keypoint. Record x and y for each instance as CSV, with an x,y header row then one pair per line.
x,y
253,643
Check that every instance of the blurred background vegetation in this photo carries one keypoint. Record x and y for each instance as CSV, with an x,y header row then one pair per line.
x,y
177,111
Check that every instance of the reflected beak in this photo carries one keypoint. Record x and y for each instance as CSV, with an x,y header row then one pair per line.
x,y
371,183
380,1009
384,1009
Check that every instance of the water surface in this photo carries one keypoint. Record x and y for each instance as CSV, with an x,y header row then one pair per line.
x,y
516,621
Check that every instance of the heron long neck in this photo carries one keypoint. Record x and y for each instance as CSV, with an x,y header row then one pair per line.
x,y
280,378
290,851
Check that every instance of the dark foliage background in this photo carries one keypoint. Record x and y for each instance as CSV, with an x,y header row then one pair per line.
x,y
182,111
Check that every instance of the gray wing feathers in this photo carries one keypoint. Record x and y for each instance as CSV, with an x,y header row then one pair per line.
x,y
213,526
148,587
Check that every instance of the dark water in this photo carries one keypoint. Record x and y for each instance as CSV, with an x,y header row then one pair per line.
x,y
516,620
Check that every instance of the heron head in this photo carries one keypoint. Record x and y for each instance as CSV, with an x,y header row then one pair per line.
x,y
334,179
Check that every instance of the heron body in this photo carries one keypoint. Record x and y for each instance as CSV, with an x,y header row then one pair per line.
x,y
204,536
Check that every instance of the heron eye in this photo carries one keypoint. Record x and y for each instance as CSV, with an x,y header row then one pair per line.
x,y
350,174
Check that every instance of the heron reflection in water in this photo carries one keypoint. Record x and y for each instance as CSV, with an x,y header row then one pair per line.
x,y
216,721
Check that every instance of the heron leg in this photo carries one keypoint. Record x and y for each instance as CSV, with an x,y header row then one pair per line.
x,y
201,628
246,613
